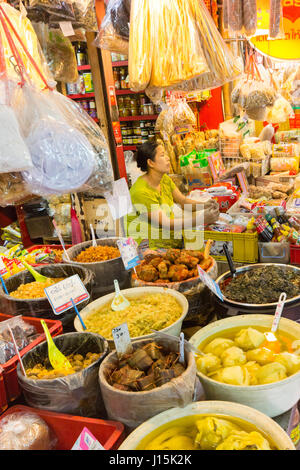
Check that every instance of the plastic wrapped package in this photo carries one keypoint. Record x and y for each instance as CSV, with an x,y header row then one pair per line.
x,y
165,122
250,17
183,115
235,17
76,394
114,30
68,149
267,133
13,190
276,30
20,26
254,97
225,15
280,112
25,431
41,308
133,408
285,150
292,135
59,53
284,164
60,10
176,35
23,333
85,14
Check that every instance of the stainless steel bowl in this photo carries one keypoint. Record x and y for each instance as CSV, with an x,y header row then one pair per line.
x,y
251,267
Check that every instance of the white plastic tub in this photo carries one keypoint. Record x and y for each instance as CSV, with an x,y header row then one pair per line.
x,y
173,329
272,399
262,422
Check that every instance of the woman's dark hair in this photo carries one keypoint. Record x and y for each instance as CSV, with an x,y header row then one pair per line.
x,y
144,152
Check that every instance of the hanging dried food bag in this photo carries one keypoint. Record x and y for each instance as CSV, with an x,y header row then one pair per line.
x,y
276,29
177,51
59,53
25,40
141,41
250,17
114,30
225,15
235,17
254,98
85,14
183,115
223,66
59,10
13,190
280,112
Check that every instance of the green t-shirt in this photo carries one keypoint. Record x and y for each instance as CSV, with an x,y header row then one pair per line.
x,y
145,200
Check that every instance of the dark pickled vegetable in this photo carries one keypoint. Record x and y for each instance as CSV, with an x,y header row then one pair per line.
x,y
262,285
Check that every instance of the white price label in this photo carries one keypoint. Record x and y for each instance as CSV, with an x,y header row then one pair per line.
x,y
87,441
210,283
122,339
181,348
67,28
129,252
61,293
278,311
3,268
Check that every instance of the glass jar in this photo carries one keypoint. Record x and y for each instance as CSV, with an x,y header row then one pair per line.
x,y
124,131
92,111
137,131
130,140
135,141
142,124
144,133
127,102
125,141
143,99
134,111
150,108
129,131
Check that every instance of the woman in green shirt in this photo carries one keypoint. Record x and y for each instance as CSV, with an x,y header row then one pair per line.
x,y
153,196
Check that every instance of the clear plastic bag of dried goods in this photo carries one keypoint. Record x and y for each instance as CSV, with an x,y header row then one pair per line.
x,y
16,31
85,14
59,10
68,149
23,332
59,53
280,112
276,29
25,430
13,190
77,393
240,16
250,17
254,97
114,30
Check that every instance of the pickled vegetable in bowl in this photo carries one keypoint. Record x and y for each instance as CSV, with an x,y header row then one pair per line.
x,y
244,357
44,371
207,432
34,290
146,312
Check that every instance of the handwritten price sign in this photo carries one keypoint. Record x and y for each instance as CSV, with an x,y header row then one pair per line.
x,y
60,294
122,339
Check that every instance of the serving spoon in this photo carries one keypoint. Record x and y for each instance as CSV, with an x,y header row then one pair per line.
x,y
37,276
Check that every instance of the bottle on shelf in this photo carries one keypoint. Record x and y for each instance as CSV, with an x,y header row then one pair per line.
x,y
81,54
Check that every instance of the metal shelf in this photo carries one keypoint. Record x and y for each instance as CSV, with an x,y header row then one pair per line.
x,y
84,67
129,147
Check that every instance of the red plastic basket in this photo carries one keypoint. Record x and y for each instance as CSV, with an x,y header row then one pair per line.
x,y
67,428
9,373
295,254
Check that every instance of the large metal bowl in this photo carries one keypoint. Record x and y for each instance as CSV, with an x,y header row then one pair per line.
x,y
228,275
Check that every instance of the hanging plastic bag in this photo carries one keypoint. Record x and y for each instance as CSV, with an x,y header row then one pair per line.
x,y
276,30
13,190
85,14
59,53
250,17
59,10
183,115
235,17
280,112
114,30
225,15
64,158
14,24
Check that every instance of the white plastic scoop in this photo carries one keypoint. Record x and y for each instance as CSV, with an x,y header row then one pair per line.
x,y
119,302
270,336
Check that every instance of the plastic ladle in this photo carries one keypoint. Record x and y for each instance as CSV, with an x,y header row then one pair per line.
x,y
119,302
270,336
37,276
56,358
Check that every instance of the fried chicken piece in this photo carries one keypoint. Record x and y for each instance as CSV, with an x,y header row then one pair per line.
x,y
178,272
193,273
206,263
189,261
163,269
149,257
195,254
172,254
155,261
148,273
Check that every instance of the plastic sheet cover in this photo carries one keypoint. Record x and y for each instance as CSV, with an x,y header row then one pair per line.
x,y
114,30
78,393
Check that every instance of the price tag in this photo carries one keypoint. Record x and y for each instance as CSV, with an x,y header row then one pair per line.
x,y
210,283
67,28
129,252
278,311
3,268
122,339
87,441
243,182
60,294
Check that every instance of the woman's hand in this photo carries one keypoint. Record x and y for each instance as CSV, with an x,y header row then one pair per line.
x,y
211,212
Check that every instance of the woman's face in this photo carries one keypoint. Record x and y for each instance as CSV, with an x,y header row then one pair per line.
x,y
161,161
